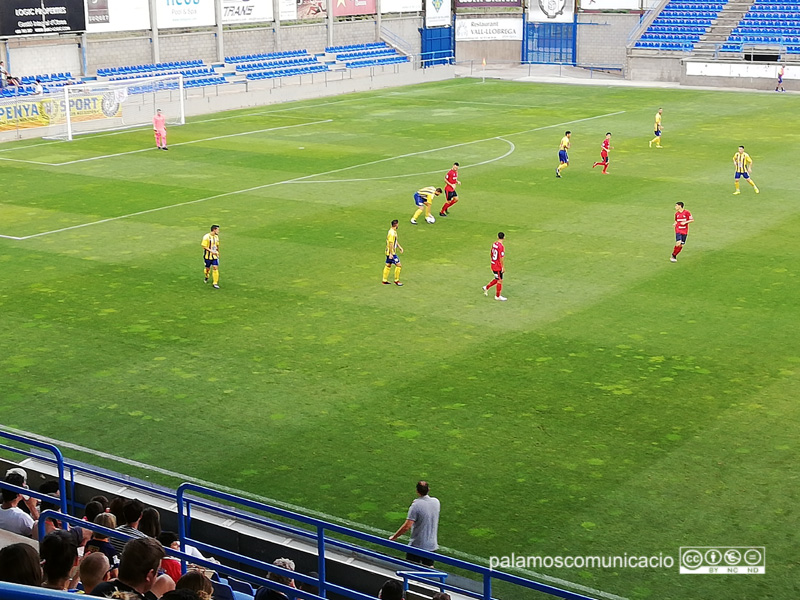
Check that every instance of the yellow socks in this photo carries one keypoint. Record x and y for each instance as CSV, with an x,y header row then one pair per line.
x,y
386,270
216,276
396,273
416,215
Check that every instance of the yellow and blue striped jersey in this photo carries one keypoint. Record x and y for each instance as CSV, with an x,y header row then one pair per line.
x,y
391,242
210,244
742,161
427,193
657,126
564,143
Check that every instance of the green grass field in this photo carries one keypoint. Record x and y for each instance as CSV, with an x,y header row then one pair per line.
x,y
617,403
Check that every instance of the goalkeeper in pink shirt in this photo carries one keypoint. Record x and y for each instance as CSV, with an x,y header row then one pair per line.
x,y
160,129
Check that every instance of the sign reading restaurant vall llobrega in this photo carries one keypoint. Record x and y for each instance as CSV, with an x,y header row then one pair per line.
x,y
486,3
36,17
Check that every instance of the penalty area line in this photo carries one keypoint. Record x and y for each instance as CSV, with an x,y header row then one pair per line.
x,y
293,507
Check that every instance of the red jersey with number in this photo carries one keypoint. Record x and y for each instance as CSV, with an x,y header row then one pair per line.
x,y
682,215
606,146
451,178
498,252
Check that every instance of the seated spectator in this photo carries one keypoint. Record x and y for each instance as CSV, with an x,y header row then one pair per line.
x,y
150,523
99,542
102,500
169,539
162,585
391,590
138,571
19,563
266,593
94,570
198,583
51,488
115,508
12,518
91,510
132,512
440,596
308,587
59,553
37,88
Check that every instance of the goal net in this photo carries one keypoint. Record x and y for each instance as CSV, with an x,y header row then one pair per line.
x,y
96,106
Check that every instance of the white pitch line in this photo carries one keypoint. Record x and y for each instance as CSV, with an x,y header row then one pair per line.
x,y
294,508
304,177
218,137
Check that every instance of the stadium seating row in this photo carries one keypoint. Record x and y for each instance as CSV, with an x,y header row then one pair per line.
x,y
665,45
273,64
149,69
354,47
664,33
366,53
376,62
47,78
204,81
187,74
20,90
242,58
271,74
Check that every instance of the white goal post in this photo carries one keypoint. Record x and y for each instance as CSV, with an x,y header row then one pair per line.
x,y
96,106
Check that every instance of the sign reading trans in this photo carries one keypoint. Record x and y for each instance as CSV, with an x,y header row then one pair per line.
x,y
246,11
34,17
723,560
551,11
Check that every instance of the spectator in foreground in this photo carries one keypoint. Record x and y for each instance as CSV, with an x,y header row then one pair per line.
x,y
102,500
91,510
37,88
94,570
115,507
13,518
99,542
440,596
308,587
59,553
391,590
138,571
198,583
266,593
19,563
132,512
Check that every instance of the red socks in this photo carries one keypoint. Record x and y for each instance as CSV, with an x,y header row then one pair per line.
x,y
499,287
448,204
677,250
492,282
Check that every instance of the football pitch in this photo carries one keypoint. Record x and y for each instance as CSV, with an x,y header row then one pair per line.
x,y
616,404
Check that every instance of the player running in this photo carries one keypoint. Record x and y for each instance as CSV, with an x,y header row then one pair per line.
x,y
498,268
682,219
604,149
563,156
450,193
779,87
392,246
743,164
657,129
160,130
210,246
423,199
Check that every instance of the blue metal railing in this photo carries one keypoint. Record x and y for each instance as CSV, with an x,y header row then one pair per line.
x,y
314,530
322,527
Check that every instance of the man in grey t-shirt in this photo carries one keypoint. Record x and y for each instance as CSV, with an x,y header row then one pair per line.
x,y
423,521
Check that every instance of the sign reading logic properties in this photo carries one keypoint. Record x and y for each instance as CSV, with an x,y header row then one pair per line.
x,y
36,17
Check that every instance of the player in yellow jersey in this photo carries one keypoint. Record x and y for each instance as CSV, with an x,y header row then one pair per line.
x,y
210,246
392,246
423,199
657,129
563,156
743,164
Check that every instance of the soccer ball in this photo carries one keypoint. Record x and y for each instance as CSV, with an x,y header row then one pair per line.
x,y
430,219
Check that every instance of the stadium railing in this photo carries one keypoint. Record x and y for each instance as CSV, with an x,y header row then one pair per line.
x,y
189,495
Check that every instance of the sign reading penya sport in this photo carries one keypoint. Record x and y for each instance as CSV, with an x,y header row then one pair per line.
x,y
551,11
35,17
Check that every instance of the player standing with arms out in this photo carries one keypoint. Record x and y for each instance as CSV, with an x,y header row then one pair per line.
x,y
563,157
682,219
160,130
450,193
392,246
744,165
657,129
779,87
604,148
423,199
498,267
210,246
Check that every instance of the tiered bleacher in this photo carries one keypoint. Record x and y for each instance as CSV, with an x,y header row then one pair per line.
x,y
150,69
768,23
50,82
195,73
243,58
276,64
366,55
680,24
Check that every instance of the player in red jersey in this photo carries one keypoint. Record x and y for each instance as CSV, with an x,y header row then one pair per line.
x,y
682,219
451,181
604,148
498,267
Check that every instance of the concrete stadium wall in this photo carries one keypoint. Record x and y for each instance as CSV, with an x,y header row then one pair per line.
x,y
32,57
406,28
654,68
495,52
104,52
602,37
